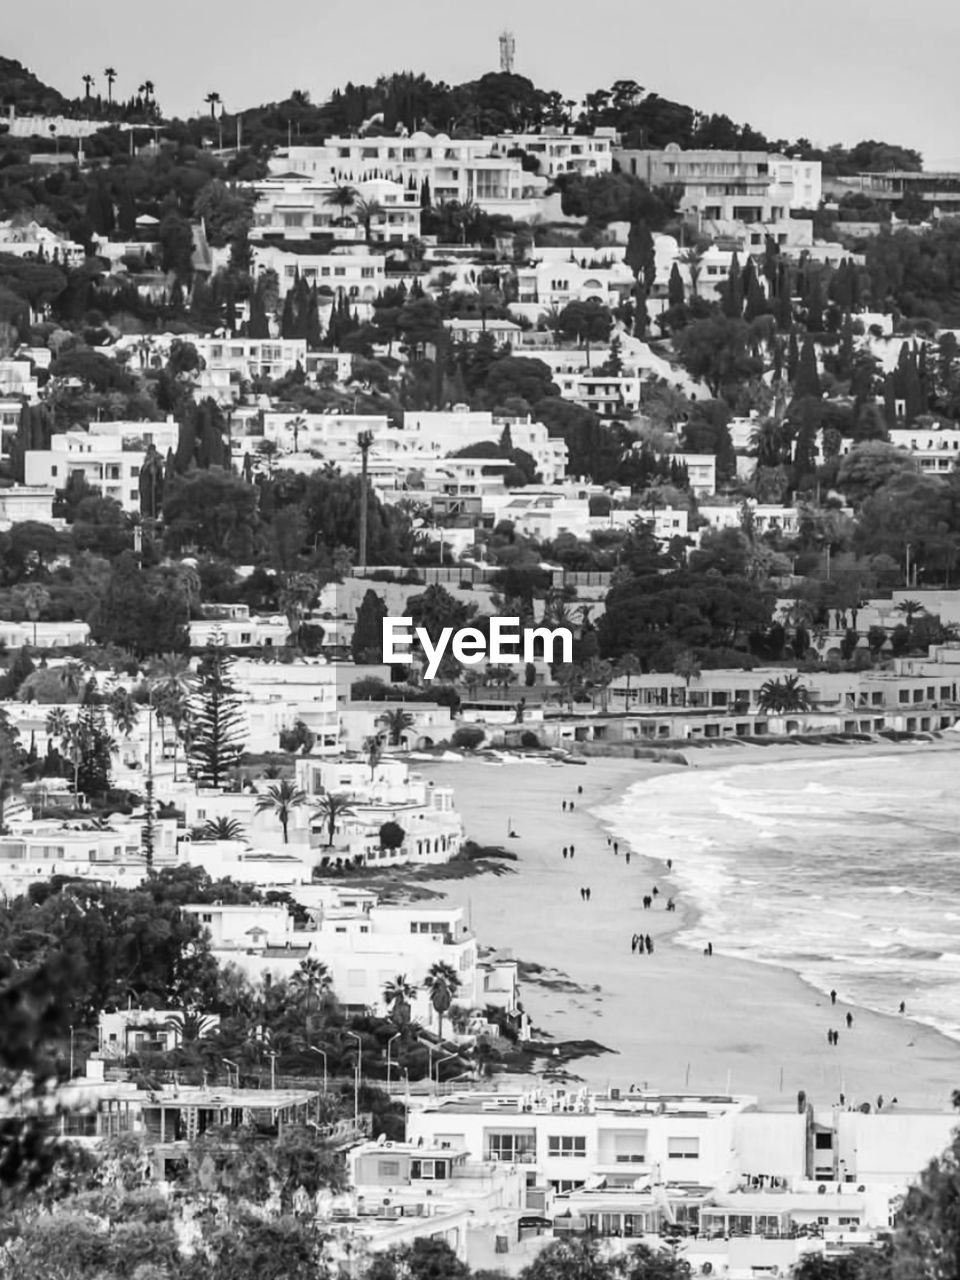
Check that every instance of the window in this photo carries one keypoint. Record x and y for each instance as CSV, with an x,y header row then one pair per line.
x,y
517,1145
53,470
388,1168
567,1146
206,918
367,273
683,1148
824,1142
134,472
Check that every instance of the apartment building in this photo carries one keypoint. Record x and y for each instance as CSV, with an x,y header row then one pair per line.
x,y
364,945
935,450
355,273
108,455
729,186
560,152
939,189
390,792
440,433
128,1031
17,378
607,394
27,502
295,209
250,358
476,169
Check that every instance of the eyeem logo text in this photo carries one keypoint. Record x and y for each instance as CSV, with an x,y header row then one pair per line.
x,y
506,643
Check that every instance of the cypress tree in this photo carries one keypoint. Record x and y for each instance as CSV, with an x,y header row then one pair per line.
x,y
675,293
218,720
733,291
314,333
793,356
807,381
366,644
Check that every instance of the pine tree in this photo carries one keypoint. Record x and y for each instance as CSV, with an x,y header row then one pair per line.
x,y
217,719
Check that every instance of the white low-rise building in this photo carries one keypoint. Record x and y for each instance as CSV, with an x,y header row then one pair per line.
x,y
108,455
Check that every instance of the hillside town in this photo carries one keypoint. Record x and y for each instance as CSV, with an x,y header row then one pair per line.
x,y
618,371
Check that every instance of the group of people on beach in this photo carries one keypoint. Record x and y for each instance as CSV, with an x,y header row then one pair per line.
x,y
585,895
641,943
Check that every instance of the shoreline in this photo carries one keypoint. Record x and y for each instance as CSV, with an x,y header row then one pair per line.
x,y
676,1019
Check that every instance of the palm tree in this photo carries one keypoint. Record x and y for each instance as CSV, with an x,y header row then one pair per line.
x,y
910,609
686,666
87,86
69,736
171,681
374,750
597,675
296,425
221,829
442,983
330,808
368,210
111,75
396,723
123,711
569,684
213,98
398,993
311,982
147,89
628,665
282,798
296,596
35,598
502,676
343,197
784,695
71,677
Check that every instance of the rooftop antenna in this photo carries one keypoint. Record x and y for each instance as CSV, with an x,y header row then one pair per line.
x,y
508,49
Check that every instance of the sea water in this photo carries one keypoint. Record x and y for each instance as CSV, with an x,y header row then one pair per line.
x,y
846,870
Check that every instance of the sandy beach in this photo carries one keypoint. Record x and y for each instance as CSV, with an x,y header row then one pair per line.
x,y
675,1019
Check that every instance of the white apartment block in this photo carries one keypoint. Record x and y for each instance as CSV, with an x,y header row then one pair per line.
x,y
559,152
577,277
36,241
729,186
440,433
17,378
252,358
364,945
26,502
461,169
295,209
109,456
935,450
606,394
767,517
432,826
356,273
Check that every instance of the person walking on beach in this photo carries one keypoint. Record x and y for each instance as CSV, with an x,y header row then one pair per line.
x,y
849,1021
903,1006
588,894
572,850
616,846
830,1035
669,863
579,791
656,891
571,806
633,944
648,943
671,905
564,852
628,857
709,948
564,806
833,997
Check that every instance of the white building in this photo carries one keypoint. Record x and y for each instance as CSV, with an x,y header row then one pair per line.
x,y
936,450
295,209
355,272
109,456
461,169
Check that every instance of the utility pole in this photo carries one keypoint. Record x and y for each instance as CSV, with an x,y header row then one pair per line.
x,y
364,440
149,826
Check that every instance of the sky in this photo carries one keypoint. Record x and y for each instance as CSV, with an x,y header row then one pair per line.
x,y
828,70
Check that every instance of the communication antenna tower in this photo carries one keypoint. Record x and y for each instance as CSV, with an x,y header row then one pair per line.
x,y
508,49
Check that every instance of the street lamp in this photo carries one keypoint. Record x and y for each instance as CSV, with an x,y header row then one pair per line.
x,y
389,1059
71,1053
323,1055
441,1061
356,1079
